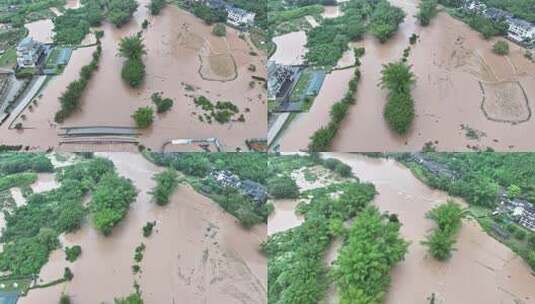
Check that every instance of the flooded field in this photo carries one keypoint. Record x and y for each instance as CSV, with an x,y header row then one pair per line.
x,y
482,270
459,82
197,253
41,30
217,68
290,48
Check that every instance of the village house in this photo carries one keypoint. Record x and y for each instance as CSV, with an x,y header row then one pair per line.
x,y
29,51
521,211
249,188
519,30
279,76
239,17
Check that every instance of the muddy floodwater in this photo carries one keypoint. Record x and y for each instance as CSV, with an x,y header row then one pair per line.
x,y
184,59
41,30
290,48
481,270
197,253
461,85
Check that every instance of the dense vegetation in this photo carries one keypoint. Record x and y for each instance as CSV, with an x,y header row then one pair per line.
x,y
156,6
282,187
481,178
448,220
71,98
427,9
166,184
32,230
207,14
327,42
72,26
11,163
322,138
296,270
132,49
198,166
520,8
110,201
121,11
374,246
398,78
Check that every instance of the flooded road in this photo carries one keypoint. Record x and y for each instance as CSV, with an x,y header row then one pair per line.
x,y
197,252
482,270
459,82
175,41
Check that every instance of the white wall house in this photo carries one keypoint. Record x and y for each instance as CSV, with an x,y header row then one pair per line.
x,y
237,16
28,52
520,30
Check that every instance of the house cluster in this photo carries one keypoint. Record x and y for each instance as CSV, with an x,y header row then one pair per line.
x,y
251,189
280,78
29,52
521,211
519,30
235,16
434,167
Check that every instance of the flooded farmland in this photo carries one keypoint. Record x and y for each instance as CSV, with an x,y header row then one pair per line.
x,y
218,68
197,254
461,85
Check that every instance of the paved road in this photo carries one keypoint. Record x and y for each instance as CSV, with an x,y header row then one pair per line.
x,y
36,84
276,127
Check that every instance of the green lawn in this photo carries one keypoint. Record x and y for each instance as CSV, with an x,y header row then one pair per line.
x,y
9,58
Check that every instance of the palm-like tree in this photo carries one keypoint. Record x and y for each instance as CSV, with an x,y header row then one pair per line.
x,y
397,77
132,47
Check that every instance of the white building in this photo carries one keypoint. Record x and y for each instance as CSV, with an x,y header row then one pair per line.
x,y
238,17
520,30
28,52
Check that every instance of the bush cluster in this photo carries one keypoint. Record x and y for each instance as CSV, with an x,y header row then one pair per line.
x,y
322,138
71,98
398,78
448,219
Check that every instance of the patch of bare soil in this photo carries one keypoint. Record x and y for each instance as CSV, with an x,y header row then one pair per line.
x,y
505,101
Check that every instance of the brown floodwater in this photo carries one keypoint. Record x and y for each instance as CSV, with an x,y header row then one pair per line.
x,y
481,270
181,50
197,253
290,48
449,61
283,216
41,30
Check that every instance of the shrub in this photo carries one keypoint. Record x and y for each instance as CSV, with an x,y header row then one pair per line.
x,y
427,10
162,104
68,275
282,187
501,48
133,72
219,30
65,299
147,229
166,184
72,253
448,219
156,6
143,117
